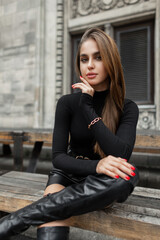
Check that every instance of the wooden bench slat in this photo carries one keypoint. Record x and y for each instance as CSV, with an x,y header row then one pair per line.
x,y
117,226
22,196
141,210
39,136
27,176
147,141
19,190
140,149
12,202
20,182
147,192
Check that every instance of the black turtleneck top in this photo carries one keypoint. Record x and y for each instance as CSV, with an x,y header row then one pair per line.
x,y
73,114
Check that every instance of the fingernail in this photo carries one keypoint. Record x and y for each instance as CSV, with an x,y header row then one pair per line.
x,y
133,168
80,76
127,178
72,86
125,159
116,176
133,174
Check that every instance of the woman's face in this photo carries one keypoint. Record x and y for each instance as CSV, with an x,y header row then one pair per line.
x,y
91,65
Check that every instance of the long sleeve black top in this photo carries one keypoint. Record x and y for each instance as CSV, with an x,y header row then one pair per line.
x,y
73,114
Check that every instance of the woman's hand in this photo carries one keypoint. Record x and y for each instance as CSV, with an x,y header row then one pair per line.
x,y
84,86
115,167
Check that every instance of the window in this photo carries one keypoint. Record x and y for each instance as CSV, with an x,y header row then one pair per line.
x,y
75,42
136,46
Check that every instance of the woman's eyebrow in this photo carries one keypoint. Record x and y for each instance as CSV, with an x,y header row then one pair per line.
x,y
96,53
84,54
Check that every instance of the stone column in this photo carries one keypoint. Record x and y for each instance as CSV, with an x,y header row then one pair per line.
x,y
157,63
59,48
108,28
67,67
39,69
50,62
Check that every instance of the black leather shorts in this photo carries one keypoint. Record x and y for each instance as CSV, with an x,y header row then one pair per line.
x,y
57,176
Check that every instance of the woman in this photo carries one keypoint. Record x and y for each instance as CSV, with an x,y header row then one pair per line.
x,y
101,125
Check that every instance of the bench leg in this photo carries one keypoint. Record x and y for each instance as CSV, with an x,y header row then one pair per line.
x,y
6,150
18,152
34,158
94,193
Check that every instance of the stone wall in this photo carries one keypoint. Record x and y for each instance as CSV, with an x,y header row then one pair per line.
x,y
27,62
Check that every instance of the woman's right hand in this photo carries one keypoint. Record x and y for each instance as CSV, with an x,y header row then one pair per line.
x,y
115,167
84,86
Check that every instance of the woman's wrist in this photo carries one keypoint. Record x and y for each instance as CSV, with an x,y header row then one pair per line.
x,y
86,99
87,108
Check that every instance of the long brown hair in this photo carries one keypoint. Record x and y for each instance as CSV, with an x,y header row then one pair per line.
x,y
115,98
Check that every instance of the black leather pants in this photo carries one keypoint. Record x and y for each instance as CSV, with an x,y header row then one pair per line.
x,y
95,192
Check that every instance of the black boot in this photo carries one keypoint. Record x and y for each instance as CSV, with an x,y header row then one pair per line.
x,y
53,233
96,192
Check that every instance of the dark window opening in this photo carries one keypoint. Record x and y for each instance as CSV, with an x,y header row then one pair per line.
x,y
136,47
75,42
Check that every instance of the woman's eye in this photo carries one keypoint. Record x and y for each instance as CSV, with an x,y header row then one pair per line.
x,y
84,59
98,58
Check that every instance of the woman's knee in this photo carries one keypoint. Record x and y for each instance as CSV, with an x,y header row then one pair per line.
x,y
53,188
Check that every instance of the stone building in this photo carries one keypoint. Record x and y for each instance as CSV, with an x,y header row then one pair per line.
x,y
38,41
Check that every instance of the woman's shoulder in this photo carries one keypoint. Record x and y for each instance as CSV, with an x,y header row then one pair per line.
x,y
69,99
130,105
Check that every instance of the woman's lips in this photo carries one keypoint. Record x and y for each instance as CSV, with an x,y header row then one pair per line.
x,y
91,75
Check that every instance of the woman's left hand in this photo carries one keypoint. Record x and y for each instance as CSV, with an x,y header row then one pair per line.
x,y
115,167
84,86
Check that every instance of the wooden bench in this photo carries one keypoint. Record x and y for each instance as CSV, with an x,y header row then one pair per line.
x,y
146,141
17,137
137,218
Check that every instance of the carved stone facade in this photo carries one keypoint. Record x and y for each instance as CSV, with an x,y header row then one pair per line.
x,y
147,119
87,7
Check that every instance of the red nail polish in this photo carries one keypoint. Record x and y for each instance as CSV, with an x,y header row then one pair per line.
x,y
133,174
80,76
116,176
127,178
133,168
125,160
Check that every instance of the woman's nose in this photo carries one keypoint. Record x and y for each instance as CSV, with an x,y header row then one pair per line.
x,y
90,64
